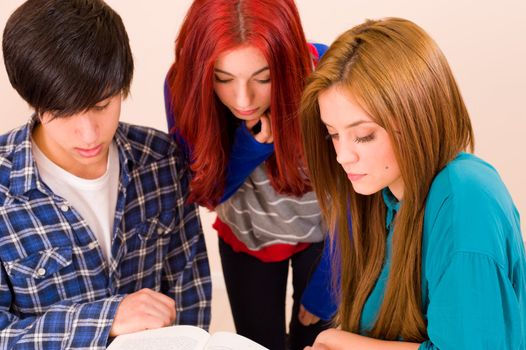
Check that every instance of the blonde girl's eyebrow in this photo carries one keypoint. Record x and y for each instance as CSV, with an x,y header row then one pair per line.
x,y
352,125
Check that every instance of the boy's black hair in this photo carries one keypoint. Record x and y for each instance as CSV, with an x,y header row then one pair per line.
x,y
64,56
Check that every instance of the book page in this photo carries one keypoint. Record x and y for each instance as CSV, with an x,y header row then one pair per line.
x,y
231,341
167,338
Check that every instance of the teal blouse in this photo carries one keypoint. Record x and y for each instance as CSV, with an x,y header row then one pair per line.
x,y
473,261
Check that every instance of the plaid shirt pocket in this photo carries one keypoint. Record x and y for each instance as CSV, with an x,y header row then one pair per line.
x,y
157,226
39,265
49,273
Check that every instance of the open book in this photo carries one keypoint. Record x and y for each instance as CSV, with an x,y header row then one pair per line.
x,y
183,338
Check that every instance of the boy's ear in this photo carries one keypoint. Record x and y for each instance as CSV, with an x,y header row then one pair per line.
x,y
39,117
36,117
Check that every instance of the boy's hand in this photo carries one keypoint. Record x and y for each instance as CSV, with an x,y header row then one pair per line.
x,y
145,309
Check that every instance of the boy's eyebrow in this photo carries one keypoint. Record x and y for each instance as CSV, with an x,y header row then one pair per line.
x,y
232,75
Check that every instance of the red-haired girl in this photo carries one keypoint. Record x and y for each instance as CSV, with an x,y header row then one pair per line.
x,y
232,100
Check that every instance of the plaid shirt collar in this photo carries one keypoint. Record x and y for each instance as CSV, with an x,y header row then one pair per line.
x,y
24,162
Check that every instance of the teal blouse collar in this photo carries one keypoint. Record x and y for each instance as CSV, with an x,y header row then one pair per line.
x,y
392,205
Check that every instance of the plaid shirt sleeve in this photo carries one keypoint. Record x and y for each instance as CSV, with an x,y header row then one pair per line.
x,y
65,325
57,291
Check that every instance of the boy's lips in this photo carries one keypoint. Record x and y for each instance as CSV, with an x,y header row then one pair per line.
x,y
89,152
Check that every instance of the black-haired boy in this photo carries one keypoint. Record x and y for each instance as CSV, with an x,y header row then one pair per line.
x,y
96,239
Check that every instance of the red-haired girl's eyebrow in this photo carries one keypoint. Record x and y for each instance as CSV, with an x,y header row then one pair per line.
x,y
232,75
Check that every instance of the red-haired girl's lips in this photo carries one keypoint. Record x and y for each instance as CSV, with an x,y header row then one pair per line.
x,y
89,152
247,112
355,177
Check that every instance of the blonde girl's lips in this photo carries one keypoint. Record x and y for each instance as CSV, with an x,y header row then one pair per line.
x,y
355,177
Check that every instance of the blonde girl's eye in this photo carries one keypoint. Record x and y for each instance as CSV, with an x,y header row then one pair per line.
x,y
364,139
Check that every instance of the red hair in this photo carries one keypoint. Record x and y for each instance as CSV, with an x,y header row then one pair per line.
x,y
210,28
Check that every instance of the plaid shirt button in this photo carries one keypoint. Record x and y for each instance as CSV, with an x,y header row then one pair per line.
x,y
64,208
41,271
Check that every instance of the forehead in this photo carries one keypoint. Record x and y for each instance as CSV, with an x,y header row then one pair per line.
x,y
244,59
338,106
112,103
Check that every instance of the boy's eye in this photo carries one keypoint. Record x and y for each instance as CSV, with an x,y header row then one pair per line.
x,y
100,108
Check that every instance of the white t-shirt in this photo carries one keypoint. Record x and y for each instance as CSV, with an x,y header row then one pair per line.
x,y
95,200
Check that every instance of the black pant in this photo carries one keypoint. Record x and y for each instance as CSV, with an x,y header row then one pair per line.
x,y
256,291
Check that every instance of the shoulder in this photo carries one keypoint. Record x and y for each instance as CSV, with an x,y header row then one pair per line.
x,y
469,209
10,143
472,184
317,50
12,139
157,170
146,145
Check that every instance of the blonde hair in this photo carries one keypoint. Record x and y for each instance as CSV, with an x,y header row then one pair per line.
x,y
403,80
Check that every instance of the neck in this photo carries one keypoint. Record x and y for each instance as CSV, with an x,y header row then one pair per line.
x,y
66,161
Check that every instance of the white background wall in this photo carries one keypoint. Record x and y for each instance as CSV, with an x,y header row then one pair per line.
x,y
484,41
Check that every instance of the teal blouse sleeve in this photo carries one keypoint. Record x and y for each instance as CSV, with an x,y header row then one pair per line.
x,y
473,306
473,261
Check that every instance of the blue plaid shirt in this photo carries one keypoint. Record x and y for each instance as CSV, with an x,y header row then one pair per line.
x,y
57,290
